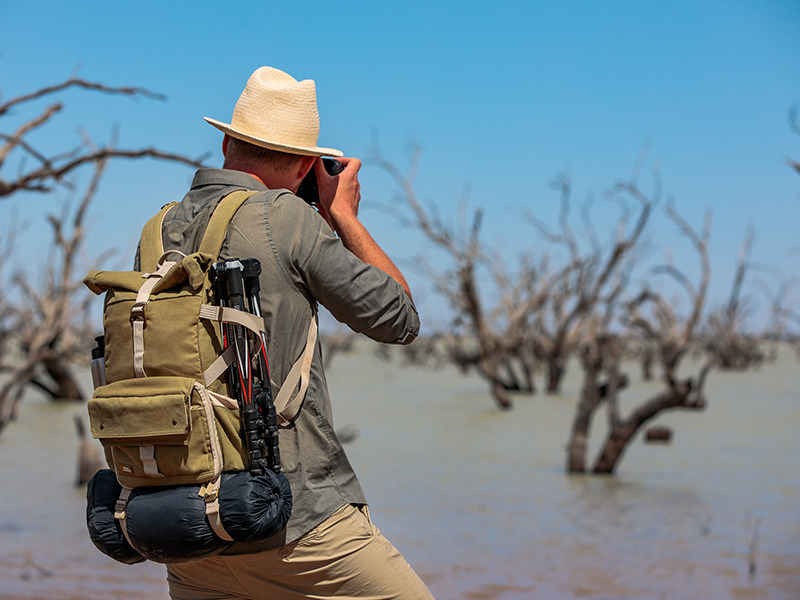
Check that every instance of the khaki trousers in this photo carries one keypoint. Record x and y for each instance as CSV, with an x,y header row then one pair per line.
x,y
346,557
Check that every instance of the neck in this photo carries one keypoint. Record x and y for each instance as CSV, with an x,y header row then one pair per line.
x,y
248,171
274,180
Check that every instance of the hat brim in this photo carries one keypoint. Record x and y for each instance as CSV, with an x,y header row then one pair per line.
x,y
303,151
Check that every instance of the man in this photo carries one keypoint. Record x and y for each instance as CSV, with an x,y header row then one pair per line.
x,y
330,548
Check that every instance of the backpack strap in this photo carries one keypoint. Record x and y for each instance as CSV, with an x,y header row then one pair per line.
x,y
220,219
287,404
151,246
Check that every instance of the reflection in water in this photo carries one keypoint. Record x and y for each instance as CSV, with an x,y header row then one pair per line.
x,y
478,500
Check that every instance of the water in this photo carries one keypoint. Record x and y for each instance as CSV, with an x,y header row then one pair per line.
x,y
477,499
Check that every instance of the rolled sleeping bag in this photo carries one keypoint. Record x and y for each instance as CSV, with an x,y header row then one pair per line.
x,y
102,491
169,524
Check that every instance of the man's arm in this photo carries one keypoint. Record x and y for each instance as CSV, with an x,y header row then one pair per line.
x,y
339,199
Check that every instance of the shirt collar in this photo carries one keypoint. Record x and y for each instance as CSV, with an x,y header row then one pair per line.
x,y
230,177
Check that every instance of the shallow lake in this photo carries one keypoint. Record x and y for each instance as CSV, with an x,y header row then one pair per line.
x,y
478,500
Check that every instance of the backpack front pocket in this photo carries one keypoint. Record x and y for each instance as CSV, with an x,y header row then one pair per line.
x,y
157,431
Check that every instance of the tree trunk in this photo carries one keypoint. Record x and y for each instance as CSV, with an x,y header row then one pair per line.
x,y
681,395
528,370
579,440
501,396
555,373
66,388
615,445
590,400
490,371
647,364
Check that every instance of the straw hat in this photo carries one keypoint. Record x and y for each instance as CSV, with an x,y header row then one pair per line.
x,y
278,112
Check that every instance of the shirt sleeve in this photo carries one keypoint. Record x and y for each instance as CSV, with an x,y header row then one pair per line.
x,y
357,294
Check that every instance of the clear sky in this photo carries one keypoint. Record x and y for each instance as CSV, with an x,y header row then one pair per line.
x,y
502,96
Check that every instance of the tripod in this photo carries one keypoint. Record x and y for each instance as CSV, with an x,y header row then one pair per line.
x,y
236,284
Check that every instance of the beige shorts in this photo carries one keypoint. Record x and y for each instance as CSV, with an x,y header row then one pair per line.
x,y
345,557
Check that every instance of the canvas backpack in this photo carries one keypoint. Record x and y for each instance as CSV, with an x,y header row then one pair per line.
x,y
164,417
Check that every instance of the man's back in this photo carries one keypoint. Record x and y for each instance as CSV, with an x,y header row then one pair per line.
x,y
302,262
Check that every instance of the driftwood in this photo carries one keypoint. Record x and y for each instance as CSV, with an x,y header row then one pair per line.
x,y
658,434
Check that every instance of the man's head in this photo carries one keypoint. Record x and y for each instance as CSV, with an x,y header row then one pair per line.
x,y
274,130
277,112
273,168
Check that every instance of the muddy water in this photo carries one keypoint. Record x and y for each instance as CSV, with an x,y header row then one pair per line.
x,y
478,501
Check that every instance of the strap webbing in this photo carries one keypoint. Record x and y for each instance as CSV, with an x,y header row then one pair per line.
x,y
227,314
287,405
138,318
209,491
147,454
151,246
211,422
219,366
218,224
120,513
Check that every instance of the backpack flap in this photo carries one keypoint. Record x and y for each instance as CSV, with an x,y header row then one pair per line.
x,y
148,409
190,270
173,339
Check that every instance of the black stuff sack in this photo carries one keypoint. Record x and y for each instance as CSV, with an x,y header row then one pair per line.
x,y
169,525
102,492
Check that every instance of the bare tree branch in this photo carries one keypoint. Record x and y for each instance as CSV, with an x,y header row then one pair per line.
x,y
81,83
51,170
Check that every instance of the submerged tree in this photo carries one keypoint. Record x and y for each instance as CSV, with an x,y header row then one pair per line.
x,y
42,313
656,318
485,333
590,279
536,315
726,337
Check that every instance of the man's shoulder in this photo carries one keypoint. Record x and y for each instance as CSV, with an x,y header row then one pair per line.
x,y
282,206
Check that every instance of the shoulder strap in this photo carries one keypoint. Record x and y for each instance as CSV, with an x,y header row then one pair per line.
x,y
151,246
218,224
290,397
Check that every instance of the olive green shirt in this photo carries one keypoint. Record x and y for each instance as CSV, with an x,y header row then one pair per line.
x,y
303,262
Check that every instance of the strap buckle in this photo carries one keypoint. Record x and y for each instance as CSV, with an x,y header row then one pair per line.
x,y
137,311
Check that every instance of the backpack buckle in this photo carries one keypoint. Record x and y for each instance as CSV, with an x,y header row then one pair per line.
x,y
137,311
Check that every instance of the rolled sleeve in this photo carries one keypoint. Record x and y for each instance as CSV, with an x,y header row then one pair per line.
x,y
357,294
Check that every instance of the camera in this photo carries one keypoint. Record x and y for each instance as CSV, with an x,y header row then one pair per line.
x,y
308,189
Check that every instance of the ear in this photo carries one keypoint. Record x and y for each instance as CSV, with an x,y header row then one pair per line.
x,y
304,166
225,145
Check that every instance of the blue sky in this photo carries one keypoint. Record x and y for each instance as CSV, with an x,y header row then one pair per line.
x,y
502,96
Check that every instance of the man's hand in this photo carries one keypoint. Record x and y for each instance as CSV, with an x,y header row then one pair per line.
x,y
339,195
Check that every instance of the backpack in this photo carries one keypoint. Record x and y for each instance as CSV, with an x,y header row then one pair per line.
x,y
164,416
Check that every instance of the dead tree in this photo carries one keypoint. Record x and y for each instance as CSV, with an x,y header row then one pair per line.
x,y
484,339
591,277
599,353
672,334
51,330
726,339
43,312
